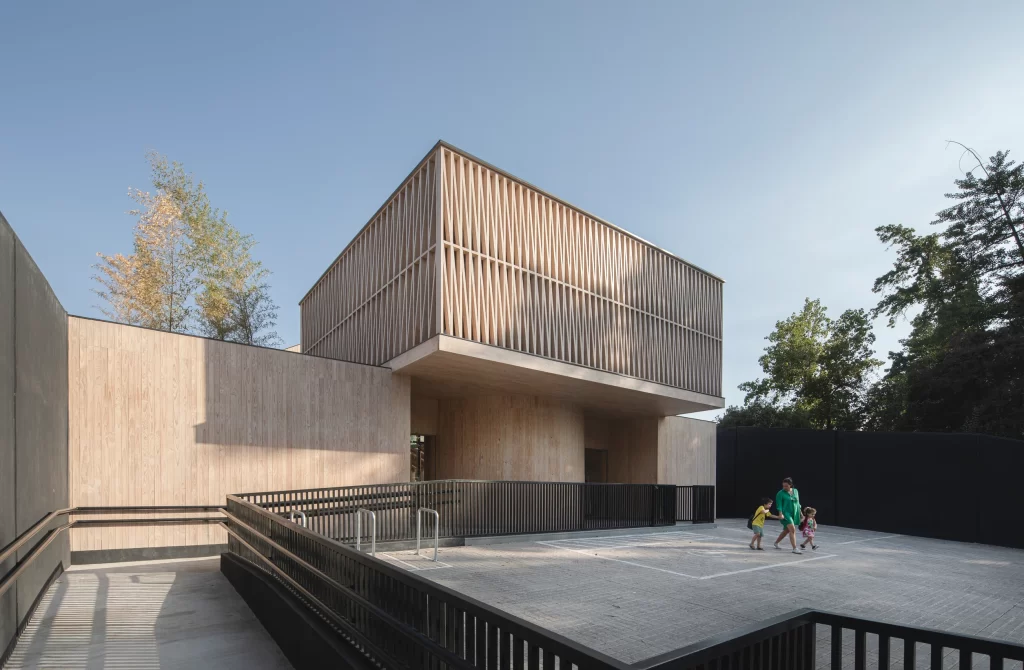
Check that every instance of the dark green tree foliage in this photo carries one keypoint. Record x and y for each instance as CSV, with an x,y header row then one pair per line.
x,y
962,365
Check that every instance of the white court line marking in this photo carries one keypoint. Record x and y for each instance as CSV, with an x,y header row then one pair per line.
x,y
597,544
616,560
830,534
765,567
870,539
413,568
683,574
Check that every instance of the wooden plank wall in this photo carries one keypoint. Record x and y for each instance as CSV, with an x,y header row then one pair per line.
x,y
631,443
162,419
378,298
515,438
686,451
526,272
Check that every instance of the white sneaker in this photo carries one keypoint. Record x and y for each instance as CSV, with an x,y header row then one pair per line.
x,y
798,552
777,546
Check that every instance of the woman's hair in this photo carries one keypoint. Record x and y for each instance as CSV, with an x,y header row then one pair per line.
x,y
810,511
765,501
788,480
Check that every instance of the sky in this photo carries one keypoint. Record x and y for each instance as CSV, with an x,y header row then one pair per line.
x,y
761,141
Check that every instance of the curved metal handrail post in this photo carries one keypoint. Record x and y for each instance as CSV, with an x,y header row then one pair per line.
x,y
437,528
373,529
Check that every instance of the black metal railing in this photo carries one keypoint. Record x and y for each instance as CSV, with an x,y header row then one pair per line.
x,y
478,508
695,503
395,617
8,580
791,642
399,619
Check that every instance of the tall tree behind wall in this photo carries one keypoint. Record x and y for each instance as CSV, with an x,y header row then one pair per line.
x,y
190,269
962,366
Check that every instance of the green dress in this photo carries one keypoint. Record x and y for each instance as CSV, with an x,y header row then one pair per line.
x,y
788,505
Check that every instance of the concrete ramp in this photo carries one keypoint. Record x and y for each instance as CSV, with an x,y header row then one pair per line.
x,y
154,614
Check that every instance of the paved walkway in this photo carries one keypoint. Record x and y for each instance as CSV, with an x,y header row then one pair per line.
x,y
633,598
161,614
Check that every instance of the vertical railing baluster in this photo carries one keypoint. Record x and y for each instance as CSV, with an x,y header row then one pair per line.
x,y
909,654
936,657
883,652
837,647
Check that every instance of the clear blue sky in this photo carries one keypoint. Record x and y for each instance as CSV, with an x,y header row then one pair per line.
x,y
762,141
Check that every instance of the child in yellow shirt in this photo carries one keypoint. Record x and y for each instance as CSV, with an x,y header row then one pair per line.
x,y
756,522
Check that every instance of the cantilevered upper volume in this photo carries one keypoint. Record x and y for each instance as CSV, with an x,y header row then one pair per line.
x,y
469,278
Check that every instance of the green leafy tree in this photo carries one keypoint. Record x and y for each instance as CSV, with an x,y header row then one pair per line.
x,y
235,301
816,370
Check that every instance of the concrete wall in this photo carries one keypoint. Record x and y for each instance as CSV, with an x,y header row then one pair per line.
x,y
33,421
163,419
509,437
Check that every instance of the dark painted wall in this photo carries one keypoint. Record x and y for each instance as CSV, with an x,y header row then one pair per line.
x,y
33,419
953,486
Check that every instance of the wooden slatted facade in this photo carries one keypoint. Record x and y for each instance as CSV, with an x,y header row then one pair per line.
x,y
378,299
520,270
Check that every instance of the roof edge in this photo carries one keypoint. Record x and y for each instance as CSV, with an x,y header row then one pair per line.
x,y
508,175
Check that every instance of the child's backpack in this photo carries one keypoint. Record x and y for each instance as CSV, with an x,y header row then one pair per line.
x,y
803,524
750,521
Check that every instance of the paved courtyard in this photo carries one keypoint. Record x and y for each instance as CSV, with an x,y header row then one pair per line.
x,y
633,597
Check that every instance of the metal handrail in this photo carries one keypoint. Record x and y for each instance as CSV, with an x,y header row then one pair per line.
x,y
548,640
402,628
302,515
373,531
51,535
437,528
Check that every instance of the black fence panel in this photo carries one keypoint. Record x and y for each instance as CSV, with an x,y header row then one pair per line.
x,y
1001,462
909,483
952,486
763,457
695,503
725,473
480,508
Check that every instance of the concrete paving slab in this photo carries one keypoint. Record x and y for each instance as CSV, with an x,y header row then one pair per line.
x,y
636,596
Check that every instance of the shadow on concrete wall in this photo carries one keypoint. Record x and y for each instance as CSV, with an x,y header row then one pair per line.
x,y
33,421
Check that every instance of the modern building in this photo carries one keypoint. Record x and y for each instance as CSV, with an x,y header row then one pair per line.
x,y
542,342
475,328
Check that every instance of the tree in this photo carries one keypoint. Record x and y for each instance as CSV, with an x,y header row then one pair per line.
x,y
190,269
235,301
151,287
964,281
816,373
763,414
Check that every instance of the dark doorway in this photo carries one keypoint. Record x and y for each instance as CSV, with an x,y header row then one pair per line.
x,y
595,467
421,461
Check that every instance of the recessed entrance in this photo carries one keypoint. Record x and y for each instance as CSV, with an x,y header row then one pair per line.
x,y
421,458
595,466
